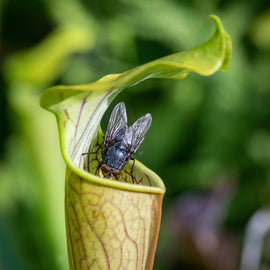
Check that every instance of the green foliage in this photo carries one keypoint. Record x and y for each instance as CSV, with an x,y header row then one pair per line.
x,y
207,129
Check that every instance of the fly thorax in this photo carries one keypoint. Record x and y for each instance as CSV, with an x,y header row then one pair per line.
x,y
116,156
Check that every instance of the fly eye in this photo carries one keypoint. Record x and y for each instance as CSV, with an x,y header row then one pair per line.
x,y
116,173
105,169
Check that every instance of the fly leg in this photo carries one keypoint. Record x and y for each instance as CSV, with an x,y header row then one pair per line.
x,y
131,171
98,167
90,153
95,152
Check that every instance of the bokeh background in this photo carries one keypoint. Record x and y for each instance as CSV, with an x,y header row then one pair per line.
x,y
209,141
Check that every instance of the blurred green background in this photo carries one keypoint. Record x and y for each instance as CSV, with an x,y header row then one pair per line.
x,y
209,141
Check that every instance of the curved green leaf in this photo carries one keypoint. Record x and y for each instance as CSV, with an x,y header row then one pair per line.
x,y
79,108
41,64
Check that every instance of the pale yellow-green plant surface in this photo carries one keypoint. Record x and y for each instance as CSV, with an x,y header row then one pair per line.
x,y
115,224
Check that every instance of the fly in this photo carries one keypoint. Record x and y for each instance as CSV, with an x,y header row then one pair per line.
x,y
122,142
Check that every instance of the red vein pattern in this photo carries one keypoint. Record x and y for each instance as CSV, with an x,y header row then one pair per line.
x,y
110,229
84,129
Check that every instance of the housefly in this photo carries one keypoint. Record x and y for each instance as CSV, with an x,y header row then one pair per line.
x,y
122,142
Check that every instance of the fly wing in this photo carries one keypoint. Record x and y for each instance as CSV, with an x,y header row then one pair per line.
x,y
135,134
117,124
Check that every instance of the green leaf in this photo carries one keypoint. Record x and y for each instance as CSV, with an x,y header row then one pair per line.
x,y
43,63
92,200
79,108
